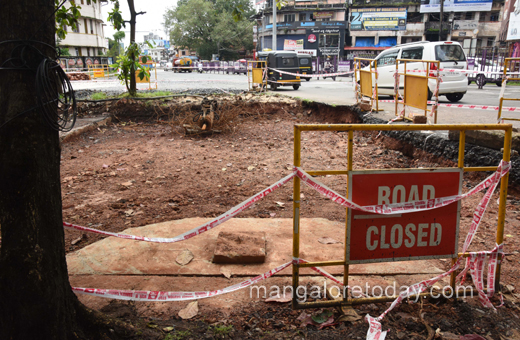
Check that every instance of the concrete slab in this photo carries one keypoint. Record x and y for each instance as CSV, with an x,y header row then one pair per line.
x,y
113,256
83,125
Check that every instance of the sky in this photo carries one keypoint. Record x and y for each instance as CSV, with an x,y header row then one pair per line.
x,y
151,22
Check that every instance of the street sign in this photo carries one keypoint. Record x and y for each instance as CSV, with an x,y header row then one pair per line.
x,y
404,236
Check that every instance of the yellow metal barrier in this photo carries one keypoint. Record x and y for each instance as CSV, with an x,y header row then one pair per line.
x,y
508,63
148,78
257,75
366,88
98,71
416,87
351,128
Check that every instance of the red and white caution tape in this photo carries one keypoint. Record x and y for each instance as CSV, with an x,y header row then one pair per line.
x,y
463,106
460,71
503,89
313,75
162,296
137,295
407,207
198,230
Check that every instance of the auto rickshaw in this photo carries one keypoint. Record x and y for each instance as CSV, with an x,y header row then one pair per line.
x,y
284,61
305,63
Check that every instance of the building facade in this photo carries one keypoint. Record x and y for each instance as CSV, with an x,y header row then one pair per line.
x,y
474,24
362,28
317,27
88,39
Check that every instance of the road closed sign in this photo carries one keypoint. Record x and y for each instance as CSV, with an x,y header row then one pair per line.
x,y
403,236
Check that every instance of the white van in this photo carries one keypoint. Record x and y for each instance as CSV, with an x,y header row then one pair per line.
x,y
451,55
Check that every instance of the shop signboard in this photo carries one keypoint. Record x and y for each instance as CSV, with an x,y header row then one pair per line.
x,y
465,24
362,53
329,51
434,6
513,31
343,65
292,45
307,52
323,15
378,19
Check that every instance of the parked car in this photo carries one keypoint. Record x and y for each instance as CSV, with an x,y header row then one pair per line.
x,y
482,79
168,66
450,54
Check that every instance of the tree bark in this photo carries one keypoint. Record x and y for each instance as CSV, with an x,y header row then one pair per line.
x,y
133,15
36,301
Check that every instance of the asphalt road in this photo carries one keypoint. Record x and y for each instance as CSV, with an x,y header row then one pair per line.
x,y
340,91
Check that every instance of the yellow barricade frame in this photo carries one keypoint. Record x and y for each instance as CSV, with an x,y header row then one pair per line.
x,y
365,82
98,71
255,74
147,79
507,61
416,88
350,128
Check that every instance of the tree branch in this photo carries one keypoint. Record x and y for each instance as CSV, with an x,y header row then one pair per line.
x,y
140,13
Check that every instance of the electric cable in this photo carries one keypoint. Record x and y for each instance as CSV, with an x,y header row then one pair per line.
x,y
54,93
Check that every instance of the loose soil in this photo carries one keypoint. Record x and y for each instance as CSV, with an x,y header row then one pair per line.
x,y
144,169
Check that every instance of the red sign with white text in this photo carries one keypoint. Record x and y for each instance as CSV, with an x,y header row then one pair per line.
x,y
410,236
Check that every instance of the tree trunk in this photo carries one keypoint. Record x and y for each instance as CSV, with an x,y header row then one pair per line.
x,y
133,86
36,301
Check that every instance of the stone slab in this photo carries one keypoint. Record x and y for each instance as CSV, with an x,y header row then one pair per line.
x,y
114,256
374,285
240,248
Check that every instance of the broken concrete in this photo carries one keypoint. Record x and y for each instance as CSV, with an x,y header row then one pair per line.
x,y
240,248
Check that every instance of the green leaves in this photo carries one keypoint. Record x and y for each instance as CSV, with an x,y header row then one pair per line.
x,y
128,63
66,17
115,17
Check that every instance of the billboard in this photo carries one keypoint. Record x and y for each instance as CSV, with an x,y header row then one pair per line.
x,y
403,236
513,30
292,45
434,6
378,19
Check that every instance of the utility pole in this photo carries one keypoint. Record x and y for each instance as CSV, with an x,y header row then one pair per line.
x,y
442,18
263,30
274,24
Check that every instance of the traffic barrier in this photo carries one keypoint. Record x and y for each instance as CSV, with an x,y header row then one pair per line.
x,y
505,78
365,88
367,186
99,71
416,88
257,75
